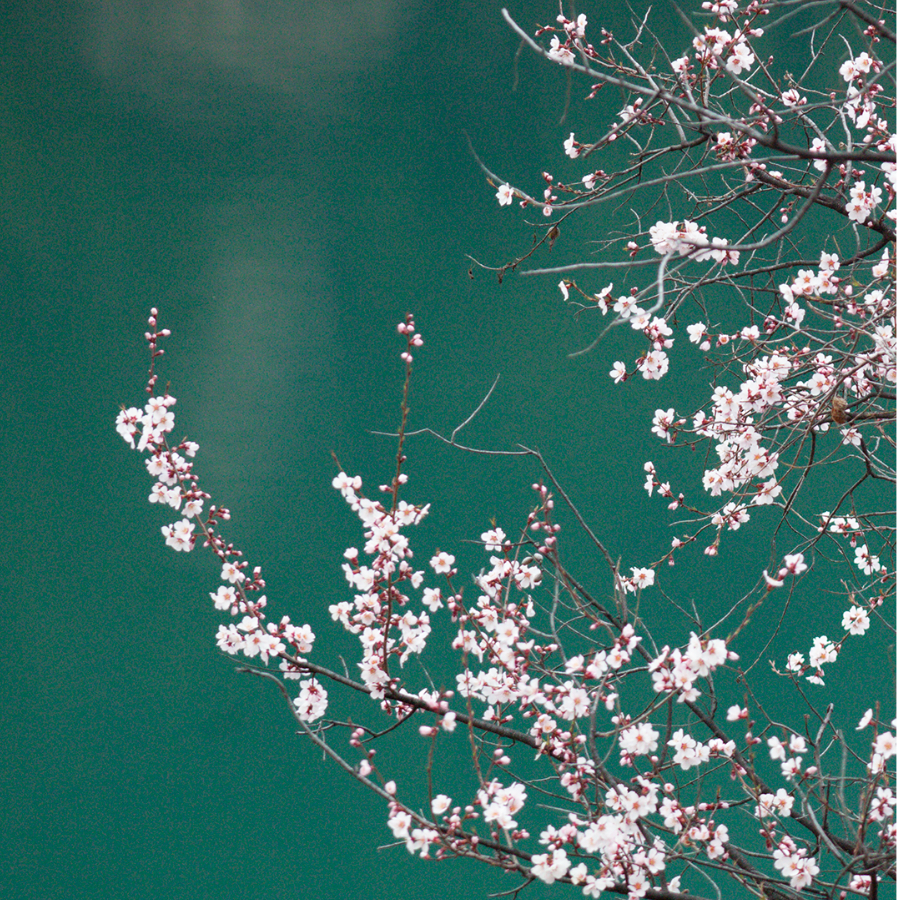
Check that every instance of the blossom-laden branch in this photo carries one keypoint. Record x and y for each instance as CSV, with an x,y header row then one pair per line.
x,y
587,752
816,350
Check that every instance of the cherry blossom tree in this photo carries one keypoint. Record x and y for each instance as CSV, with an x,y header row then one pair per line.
x,y
756,227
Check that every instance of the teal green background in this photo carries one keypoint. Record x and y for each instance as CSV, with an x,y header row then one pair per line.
x,y
284,181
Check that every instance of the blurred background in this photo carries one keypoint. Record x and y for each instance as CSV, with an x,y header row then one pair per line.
x,y
284,181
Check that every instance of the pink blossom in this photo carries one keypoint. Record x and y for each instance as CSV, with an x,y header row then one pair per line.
x,y
442,562
560,53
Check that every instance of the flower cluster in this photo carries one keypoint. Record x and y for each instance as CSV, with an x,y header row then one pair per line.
x,y
177,486
378,615
690,239
620,723
803,349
